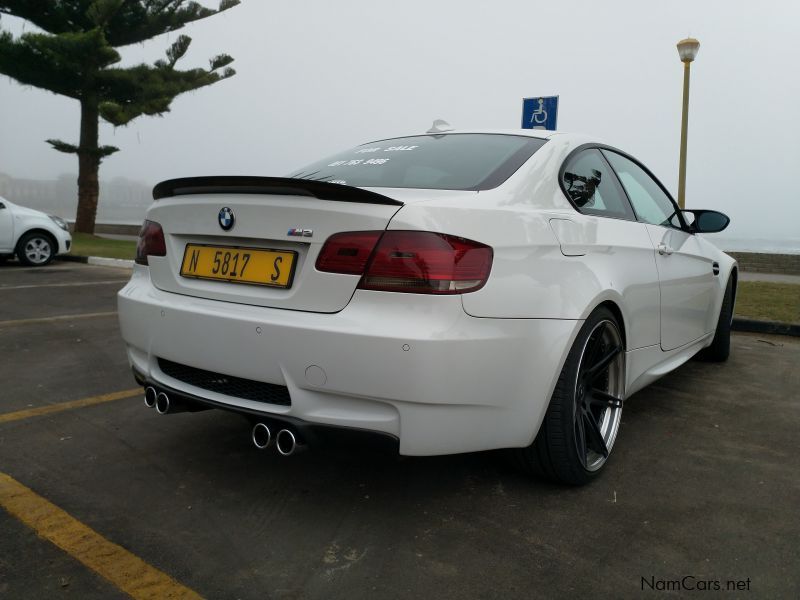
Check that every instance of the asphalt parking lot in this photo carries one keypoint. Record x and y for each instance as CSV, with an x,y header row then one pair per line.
x,y
704,483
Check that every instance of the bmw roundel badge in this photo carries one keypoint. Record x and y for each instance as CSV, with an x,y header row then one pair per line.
x,y
226,218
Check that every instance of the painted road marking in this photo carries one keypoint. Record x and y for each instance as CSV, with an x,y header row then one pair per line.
x,y
50,268
58,318
74,284
61,407
123,569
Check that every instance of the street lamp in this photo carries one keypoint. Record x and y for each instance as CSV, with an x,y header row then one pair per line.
x,y
687,50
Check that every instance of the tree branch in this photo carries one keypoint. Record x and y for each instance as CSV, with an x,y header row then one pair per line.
x,y
149,90
139,21
61,64
52,17
63,146
99,153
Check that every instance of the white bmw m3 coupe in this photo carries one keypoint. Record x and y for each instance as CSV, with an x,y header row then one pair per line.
x,y
446,292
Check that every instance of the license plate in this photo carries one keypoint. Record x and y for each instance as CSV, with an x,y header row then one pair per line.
x,y
239,265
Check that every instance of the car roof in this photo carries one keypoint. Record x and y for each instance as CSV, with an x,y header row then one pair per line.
x,y
537,133
542,134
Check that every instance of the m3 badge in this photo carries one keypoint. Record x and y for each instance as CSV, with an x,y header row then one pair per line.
x,y
297,232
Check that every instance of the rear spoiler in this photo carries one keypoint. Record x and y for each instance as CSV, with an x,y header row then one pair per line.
x,y
284,186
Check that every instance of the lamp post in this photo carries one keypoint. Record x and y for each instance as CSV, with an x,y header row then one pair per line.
x,y
687,50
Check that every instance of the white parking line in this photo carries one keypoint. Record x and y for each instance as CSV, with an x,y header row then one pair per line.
x,y
50,268
74,284
58,318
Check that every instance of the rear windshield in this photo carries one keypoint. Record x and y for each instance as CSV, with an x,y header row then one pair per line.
x,y
456,161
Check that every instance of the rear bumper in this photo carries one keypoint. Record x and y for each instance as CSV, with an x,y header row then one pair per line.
x,y
309,433
414,367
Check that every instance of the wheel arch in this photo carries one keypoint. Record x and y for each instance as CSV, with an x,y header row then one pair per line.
x,y
615,310
612,301
41,230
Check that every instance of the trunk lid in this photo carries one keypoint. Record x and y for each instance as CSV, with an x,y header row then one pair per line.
x,y
265,210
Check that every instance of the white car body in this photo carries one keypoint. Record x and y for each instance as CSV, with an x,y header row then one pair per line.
x,y
441,374
17,221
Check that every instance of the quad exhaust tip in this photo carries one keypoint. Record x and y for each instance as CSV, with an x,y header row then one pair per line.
x,y
287,443
171,403
162,403
150,395
261,436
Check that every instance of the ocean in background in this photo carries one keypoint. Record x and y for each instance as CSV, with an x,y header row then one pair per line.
x,y
776,246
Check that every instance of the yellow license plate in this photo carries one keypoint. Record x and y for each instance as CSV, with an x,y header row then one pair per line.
x,y
239,265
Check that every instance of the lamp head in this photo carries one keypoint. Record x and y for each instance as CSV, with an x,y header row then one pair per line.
x,y
687,49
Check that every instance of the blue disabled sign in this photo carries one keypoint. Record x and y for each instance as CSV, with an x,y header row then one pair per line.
x,y
540,113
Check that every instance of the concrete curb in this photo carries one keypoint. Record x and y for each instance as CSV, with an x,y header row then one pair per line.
x,y
71,258
99,261
772,327
110,262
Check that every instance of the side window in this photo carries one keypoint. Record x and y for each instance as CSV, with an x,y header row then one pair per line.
x,y
592,187
651,203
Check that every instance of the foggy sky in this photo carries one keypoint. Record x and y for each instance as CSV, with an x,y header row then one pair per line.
x,y
319,76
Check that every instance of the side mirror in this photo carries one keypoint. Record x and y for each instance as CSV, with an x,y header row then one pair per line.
x,y
706,221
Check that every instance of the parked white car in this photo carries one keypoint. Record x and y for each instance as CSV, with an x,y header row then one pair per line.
x,y
452,292
33,236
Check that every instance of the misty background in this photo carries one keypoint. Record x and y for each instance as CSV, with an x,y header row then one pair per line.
x,y
317,77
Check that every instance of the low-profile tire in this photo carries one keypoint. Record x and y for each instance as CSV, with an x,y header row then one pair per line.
x,y
36,249
583,417
720,348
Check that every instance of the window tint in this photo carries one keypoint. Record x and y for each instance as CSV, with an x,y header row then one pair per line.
x,y
593,188
651,203
458,161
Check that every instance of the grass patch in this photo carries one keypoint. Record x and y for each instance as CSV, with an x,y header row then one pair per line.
x,y
84,244
768,301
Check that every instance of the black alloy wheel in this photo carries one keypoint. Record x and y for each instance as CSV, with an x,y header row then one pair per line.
x,y
582,421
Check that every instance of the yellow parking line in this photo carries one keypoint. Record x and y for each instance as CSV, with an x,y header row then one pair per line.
x,y
56,408
126,571
58,318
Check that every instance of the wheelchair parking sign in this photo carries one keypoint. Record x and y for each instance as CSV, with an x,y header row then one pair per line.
x,y
540,112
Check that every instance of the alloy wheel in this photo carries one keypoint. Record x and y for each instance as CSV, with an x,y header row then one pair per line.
x,y
38,250
599,387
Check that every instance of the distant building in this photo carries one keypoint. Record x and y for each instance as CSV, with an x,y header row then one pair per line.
x,y
121,200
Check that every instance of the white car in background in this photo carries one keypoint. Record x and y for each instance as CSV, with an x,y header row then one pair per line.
x,y
33,236
451,292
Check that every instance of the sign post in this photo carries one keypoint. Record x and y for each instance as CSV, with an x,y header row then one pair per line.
x,y
540,112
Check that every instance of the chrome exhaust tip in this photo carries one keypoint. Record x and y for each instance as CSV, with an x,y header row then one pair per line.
x,y
261,436
287,443
162,403
150,395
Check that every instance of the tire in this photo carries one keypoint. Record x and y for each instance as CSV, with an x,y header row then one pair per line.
x,y
720,348
568,448
36,249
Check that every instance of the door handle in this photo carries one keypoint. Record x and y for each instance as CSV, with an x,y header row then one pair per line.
x,y
663,249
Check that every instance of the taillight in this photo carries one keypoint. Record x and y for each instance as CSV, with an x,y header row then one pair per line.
x,y
151,242
347,252
418,262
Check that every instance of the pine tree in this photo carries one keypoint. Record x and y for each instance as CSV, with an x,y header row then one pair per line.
x,y
75,56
